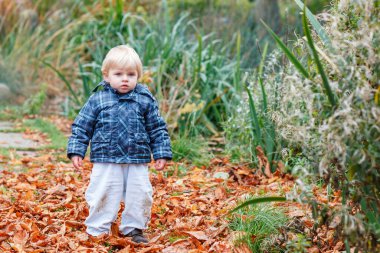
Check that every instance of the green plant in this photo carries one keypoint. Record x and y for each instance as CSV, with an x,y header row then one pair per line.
x,y
78,97
263,131
321,71
256,201
293,59
332,117
34,104
191,149
174,238
317,26
4,152
259,224
299,244
288,52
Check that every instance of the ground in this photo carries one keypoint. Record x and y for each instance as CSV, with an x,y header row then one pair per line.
x,y
42,206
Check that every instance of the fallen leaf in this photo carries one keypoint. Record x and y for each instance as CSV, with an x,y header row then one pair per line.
x,y
20,237
313,250
220,193
200,235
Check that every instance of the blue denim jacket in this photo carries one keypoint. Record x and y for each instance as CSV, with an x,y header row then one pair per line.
x,y
122,128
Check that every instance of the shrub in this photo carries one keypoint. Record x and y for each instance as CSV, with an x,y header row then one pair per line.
x,y
341,138
34,103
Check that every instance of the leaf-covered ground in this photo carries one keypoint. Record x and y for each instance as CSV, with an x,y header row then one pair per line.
x,y
42,206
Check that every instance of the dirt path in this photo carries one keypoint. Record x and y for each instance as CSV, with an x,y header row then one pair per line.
x,y
11,137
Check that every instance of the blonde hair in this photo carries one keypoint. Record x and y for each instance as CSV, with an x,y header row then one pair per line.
x,y
122,56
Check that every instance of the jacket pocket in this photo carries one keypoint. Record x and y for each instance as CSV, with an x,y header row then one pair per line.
x,y
100,148
142,138
140,147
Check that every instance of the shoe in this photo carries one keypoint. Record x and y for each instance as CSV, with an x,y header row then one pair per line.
x,y
137,236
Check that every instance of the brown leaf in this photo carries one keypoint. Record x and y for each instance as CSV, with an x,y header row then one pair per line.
x,y
69,198
62,231
36,236
220,193
82,237
200,235
263,162
74,224
153,248
120,242
126,250
309,223
313,250
244,171
21,237
242,248
114,229
296,213
221,247
24,187
339,246
73,245
273,179
181,246
3,236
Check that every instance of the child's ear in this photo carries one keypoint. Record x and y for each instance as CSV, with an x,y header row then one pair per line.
x,y
105,77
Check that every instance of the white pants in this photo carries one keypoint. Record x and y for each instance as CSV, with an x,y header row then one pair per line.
x,y
111,183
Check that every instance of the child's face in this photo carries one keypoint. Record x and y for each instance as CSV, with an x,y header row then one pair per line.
x,y
122,79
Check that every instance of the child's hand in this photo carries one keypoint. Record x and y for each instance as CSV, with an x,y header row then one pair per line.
x,y
77,162
160,164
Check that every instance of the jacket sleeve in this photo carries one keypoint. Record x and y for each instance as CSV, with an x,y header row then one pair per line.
x,y
158,133
82,130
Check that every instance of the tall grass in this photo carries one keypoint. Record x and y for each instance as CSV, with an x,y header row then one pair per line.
x,y
30,37
331,116
191,149
195,76
253,118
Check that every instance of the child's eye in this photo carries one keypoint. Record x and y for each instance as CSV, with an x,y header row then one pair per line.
x,y
117,74
132,74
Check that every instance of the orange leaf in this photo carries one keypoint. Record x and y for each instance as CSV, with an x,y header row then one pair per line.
x,y
200,235
220,192
21,237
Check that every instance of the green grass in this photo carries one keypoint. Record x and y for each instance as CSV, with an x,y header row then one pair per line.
x,y
4,152
298,244
17,130
259,224
3,189
8,112
58,140
191,149
175,238
181,170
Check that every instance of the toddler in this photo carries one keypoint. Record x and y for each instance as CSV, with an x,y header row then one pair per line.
x,y
124,126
